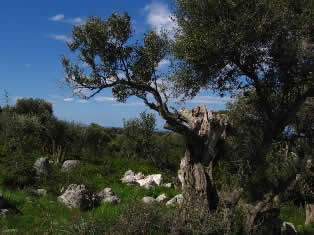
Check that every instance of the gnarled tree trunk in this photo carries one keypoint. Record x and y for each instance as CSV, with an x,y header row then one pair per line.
x,y
263,217
196,168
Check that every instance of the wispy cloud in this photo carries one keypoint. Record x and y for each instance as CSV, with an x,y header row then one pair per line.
x,y
160,18
83,101
58,17
105,99
27,65
163,63
130,104
68,99
61,18
61,37
76,20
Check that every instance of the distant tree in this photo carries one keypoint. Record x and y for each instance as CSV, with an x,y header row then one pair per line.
x,y
139,136
96,138
34,107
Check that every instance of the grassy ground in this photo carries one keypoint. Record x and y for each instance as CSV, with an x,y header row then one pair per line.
x,y
44,215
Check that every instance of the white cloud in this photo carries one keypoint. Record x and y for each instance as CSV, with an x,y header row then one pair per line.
x,y
163,62
130,104
160,18
58,17
76,20
83,101
68,99
105,99
61,18
61,37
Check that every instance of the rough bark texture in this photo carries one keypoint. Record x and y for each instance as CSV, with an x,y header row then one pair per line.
x,y
309,212
309,193
196,168
263,216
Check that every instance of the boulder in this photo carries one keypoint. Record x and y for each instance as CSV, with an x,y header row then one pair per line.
x,y
150,181
148,200
309,213
76,196
147,182
69,164
139,176
107,195
176,200
41,166
4,212
288,229
162,198
12,230
167,185
129,177
40,192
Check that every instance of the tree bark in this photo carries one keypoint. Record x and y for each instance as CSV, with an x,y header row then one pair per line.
x,y
263,216
196,168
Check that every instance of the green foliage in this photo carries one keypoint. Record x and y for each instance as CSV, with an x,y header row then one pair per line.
x,y
139,134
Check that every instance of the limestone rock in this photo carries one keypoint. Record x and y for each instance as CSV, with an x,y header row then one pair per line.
x,y
162,198
3,212
129,177
146,182
148,200
41,166
107,195
40,192
9,231
76,196
69,164
177,200
150,181
167,185
288,229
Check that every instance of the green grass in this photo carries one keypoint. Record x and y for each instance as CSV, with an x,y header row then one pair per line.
x,y
46,215
296,215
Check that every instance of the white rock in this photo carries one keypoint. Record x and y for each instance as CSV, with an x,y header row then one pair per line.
x,y
288,229
162,198
12,230
40,192
69,164
41,166
177,200
76,196
148,200
139,176
157,178
107,195
129,172
167,185
147,182
129,177
3,212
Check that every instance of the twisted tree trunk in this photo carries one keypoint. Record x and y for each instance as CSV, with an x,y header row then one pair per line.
x,y
196,168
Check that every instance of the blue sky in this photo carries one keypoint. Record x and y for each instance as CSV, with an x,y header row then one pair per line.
x,y
33,36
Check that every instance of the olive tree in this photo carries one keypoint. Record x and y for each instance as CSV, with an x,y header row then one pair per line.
x,y
263,49
131,69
